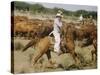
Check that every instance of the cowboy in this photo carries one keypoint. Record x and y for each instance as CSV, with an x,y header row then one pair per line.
x,y
56,31
81,20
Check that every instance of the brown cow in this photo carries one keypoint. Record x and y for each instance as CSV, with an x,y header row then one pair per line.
x,y
94,42
84,32
88,32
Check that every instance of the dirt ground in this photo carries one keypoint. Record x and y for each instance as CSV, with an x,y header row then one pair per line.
x,y
22,60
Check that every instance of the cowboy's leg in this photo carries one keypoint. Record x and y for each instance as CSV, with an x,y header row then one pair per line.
x,y
57,42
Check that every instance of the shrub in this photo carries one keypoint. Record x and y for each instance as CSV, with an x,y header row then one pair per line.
x,y
18,46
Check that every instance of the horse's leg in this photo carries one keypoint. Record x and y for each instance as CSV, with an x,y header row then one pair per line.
x,y
36,57
76,59
48,54
51,63
49,57
73,55
94,52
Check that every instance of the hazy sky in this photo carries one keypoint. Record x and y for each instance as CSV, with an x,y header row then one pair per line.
x,y
68,6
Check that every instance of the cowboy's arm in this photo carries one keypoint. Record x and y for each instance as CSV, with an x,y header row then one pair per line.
x,y
59,24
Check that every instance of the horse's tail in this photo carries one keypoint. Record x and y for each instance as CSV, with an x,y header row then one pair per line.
x,y
31,43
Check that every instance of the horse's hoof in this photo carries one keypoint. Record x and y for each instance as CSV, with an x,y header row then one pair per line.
x,y
52,65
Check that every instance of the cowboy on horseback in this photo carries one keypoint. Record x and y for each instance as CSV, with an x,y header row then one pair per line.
x,y
57,31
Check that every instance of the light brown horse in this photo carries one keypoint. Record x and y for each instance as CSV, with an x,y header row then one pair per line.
x,y
41,47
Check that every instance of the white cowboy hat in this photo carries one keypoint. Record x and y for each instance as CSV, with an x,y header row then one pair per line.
x,y
59,15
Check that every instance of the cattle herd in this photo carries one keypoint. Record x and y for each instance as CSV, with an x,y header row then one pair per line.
x,y
30,28
38,31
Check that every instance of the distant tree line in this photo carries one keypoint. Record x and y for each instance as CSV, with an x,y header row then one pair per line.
x,y
38,8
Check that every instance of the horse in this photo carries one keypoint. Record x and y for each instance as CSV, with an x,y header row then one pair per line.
x,y
69,41
43,46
